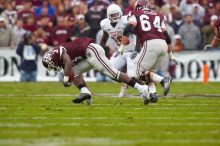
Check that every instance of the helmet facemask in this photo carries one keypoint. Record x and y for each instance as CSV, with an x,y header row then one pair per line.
x,y
114,17
49,64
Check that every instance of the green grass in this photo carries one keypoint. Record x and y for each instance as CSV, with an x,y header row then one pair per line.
x,y
42,114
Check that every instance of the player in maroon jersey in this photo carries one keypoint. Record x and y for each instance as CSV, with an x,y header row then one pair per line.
x,y
79,56
150,29
216,39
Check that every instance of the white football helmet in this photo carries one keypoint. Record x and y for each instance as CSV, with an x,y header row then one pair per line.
x,y
114,13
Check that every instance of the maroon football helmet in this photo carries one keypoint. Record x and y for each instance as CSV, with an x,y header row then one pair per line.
x,y
142,5
48,62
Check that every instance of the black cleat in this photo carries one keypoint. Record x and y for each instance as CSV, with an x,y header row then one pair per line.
x,y
153,97
82,97
166,84
146,101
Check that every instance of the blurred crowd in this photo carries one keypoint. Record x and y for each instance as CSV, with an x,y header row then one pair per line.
x,y
27,24
56,21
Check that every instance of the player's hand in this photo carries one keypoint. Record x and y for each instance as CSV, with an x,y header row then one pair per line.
x,y
175,61
125,40
207,47
133,54
67,84
172,58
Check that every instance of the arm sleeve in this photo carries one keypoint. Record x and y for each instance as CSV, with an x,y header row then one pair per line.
x,y
128,29
168,39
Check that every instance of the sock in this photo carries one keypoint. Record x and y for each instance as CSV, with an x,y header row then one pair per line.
x,y
157,78
132,82
81,86
152,88
138,87
85,90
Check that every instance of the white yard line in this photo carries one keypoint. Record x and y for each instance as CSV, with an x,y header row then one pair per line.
x,y
107,118
15,125
32,132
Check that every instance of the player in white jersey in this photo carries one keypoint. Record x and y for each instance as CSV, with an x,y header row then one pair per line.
x,y
113,27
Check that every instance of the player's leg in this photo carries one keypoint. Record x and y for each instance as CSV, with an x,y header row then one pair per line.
x,y
80,83
148,59
119,62
96,57
153,92
130,70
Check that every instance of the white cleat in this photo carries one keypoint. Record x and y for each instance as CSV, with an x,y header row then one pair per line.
x,y
145,94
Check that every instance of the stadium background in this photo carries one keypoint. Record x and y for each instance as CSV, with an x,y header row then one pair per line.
x,y
42,113
55,21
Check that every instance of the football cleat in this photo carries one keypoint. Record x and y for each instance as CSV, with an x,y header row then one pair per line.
x,y
82,97
123,91
153,97
146,101
166,84
145,94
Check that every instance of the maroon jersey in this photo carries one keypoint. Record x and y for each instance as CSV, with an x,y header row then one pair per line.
x,y
149,24
24,14
30,28
75,49
60,34
217,24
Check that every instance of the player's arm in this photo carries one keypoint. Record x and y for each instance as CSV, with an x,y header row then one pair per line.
x,y
68,72
138,44
104,39
127,31
129,28
216,39
136,49
168,41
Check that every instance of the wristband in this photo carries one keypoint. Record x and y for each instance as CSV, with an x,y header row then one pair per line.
x,y
65,78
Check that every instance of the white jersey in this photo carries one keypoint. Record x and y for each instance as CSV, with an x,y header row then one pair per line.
x,y
116,32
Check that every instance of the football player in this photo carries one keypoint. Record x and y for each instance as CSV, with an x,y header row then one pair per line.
x,y
150,29
113,27
80,56
216,39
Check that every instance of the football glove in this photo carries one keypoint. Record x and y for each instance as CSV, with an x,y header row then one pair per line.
x,y
207,47
121,49
66,82
172,58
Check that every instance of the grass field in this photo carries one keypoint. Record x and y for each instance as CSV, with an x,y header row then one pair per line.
x,y
42,114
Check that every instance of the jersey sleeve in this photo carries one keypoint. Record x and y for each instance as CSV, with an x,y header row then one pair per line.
x,y
57,54
102,24
132,18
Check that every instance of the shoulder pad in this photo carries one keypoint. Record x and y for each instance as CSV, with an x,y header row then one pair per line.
x,y
103,23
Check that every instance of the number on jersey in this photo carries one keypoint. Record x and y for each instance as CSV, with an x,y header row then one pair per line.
x,y
146,25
